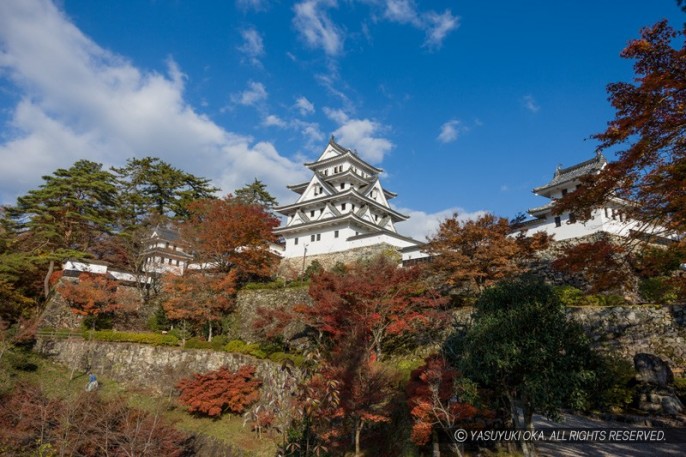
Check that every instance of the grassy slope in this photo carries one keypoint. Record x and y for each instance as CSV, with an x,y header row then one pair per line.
x,y
54,380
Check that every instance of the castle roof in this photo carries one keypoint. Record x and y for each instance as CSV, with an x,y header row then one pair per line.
x,y
350,192
565,175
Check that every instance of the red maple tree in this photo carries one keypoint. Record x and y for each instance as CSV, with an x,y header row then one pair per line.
x,y
93,295
228,234
199,296
601,263
217,392
477,253
375,298
649,129
438,401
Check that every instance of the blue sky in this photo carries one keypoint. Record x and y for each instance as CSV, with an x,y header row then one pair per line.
x,y
466,105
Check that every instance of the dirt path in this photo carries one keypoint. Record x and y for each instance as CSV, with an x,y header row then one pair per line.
x,y
596,449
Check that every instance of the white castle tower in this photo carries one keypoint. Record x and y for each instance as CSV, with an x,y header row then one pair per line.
x,y
342,207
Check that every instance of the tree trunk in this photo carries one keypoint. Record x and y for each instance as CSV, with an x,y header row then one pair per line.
x,y
46,280
358,431
209,336
436,446
521,414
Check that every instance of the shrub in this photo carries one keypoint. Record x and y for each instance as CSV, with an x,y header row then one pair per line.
x,y
242,347
680,387
156,339
235,346
614,389
273,285
569,295
220,391
197,343
603,300
279,357
657,290
255,351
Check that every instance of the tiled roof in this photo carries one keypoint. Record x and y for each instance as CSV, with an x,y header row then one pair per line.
x,y
563,175
166,233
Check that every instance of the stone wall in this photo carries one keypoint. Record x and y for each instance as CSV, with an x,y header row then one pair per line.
x,y
249,301
629,330
293,267
156,368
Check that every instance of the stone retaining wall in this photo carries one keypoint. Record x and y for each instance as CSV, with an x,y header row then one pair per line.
x,y
157,368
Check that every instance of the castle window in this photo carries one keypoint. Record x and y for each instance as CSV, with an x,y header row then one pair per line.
x,y
572,218
312,213
177,263
169,261
335,234
311,237
564,192
295,241
166,245
319,236
558,221
342,206
606,213
342,185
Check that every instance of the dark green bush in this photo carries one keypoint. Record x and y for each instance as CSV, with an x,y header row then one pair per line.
x,y
657,290
614,390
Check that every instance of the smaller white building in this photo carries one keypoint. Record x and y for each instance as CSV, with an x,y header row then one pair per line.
x,y
610,219
166,252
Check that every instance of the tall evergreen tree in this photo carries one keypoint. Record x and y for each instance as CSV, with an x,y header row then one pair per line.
x,y
256,194
150,186
66,214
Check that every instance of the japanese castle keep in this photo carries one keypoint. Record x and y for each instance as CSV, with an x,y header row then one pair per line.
x,y
341,208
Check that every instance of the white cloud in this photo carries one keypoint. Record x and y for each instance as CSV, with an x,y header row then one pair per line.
x,y
253,46
274,121
256,5
305,106
316,27
529,103
360,135
436,26
450,131
80,101
402,11
254,94
421,225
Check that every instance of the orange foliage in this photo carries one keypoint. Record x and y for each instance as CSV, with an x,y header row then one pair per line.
x,y
199,296
230,234
216,392
600,263
377,299
649,130
94,294
477,253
